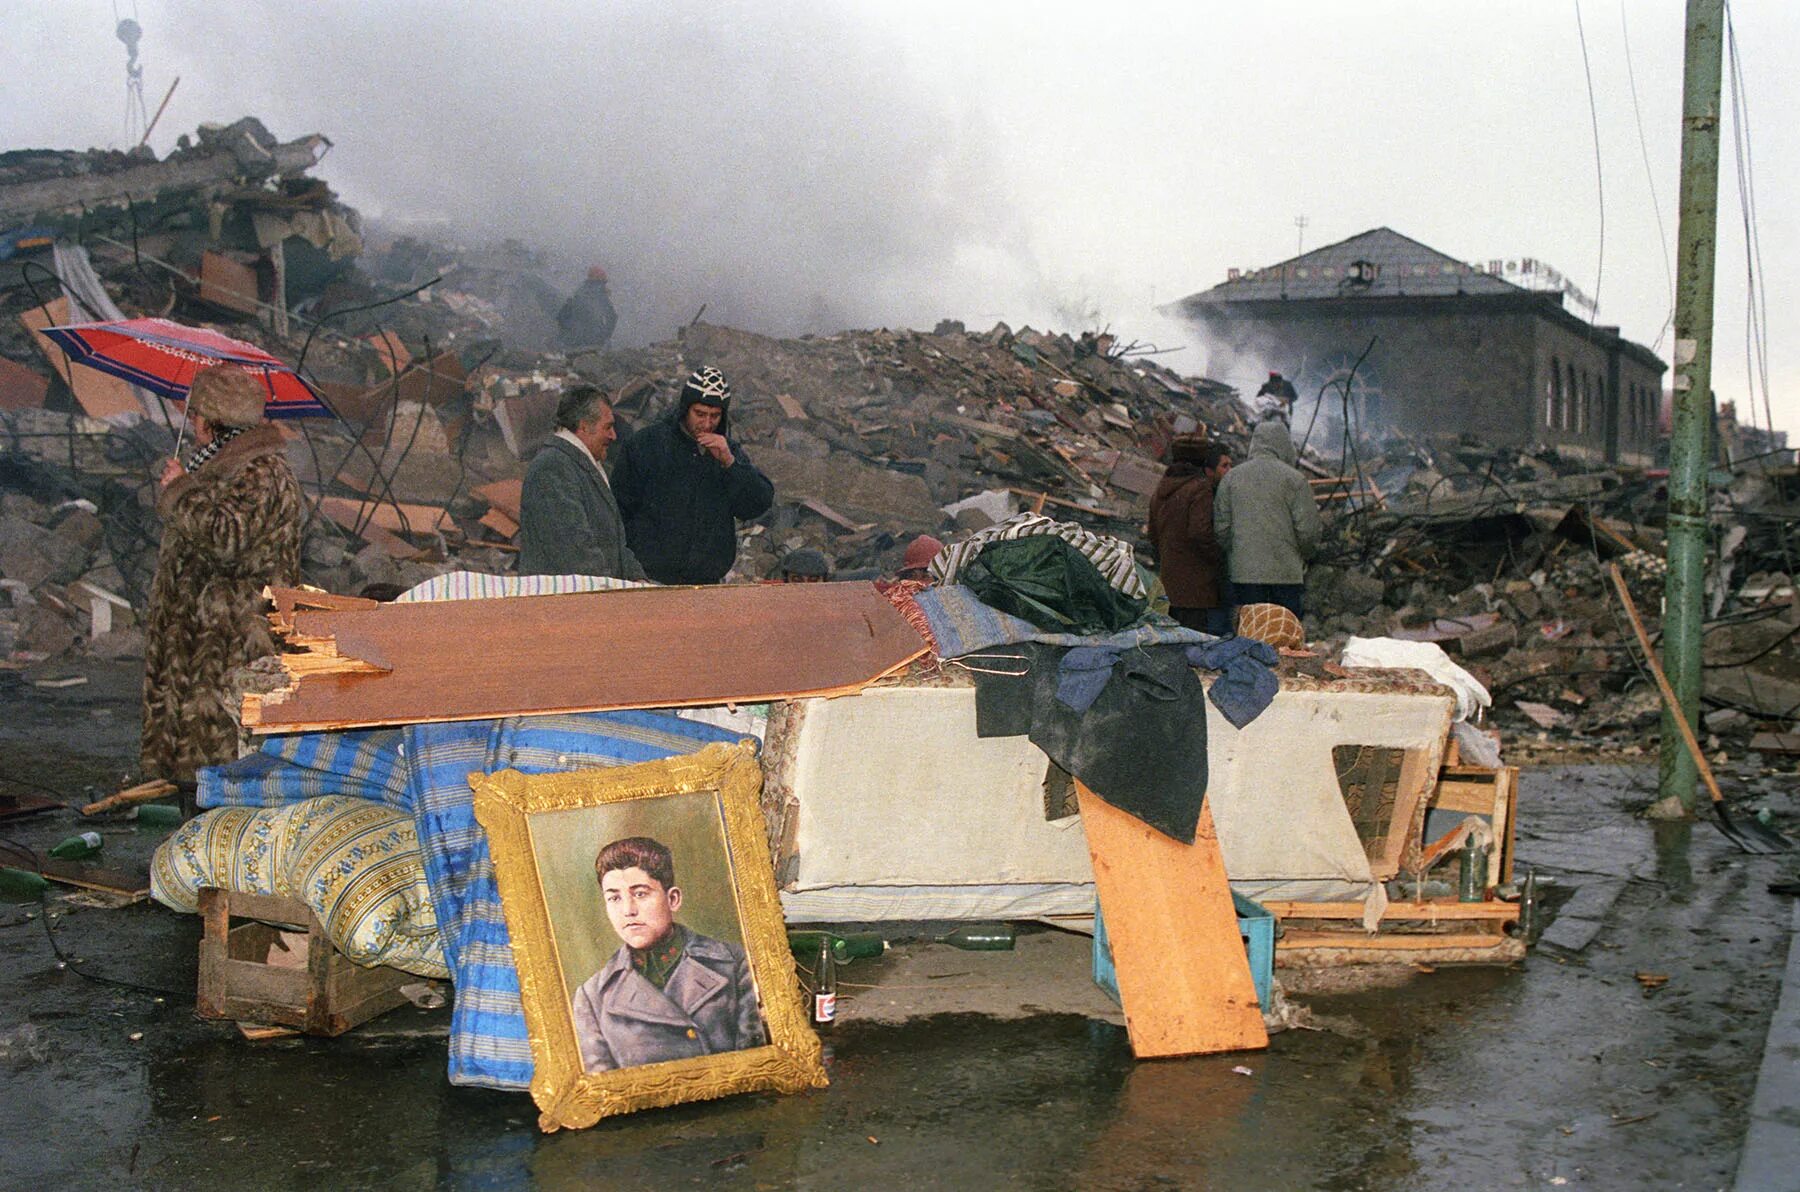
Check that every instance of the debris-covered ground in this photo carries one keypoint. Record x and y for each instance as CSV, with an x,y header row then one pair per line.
x,y
1002,1072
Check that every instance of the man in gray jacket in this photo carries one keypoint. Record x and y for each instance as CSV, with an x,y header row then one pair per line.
x,y
1267,522
569,521
668,993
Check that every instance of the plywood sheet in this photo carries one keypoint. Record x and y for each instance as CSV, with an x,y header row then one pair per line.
x,y
100,395
505,495
352,515
20,388
1184,980
642,648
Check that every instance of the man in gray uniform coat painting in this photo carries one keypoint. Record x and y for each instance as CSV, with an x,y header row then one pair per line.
x,y
668,993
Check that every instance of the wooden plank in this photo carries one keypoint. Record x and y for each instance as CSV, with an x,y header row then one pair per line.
x,y
1390,942
639,648
82,875
1427,912
20,387
1783,743
419,519
100,395
228,283
505,495
143,792
497,521
1184,980
790,405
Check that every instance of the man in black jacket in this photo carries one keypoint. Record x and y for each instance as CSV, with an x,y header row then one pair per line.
x,y
569,522
682,484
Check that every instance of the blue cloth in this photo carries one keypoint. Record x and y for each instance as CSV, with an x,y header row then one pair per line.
x,y
425,768
1247,683
364,763
962,624
1084,674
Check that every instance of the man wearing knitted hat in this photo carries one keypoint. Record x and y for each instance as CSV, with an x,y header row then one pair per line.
x,y
232,517
683,483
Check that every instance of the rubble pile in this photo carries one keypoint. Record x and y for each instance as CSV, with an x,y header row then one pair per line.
x,y
1501,557
437,361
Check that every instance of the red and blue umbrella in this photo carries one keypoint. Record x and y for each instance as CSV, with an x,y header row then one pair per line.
x,y
163,357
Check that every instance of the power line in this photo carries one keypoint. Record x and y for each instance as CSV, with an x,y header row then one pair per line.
x,y
1599,175
1650,177
1756,325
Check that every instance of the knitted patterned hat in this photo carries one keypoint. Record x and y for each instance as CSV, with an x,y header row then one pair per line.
x,y
227,396
706,386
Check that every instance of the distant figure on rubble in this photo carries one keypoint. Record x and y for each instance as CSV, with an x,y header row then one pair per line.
x,y
232,517
1267,522
569,521
915,564
1188,553
587,319
805,566
1276,398
683,484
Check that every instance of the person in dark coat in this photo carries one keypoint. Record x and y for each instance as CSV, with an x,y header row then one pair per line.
x,y
668,993
569,522
231,525
682,484
587,319
1181,526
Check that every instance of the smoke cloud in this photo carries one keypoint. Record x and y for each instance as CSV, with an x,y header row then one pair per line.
x,y
779,164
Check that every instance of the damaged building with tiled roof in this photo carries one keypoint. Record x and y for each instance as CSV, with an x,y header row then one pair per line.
x,y
1457,348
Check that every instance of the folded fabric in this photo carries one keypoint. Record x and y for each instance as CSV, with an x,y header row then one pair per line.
x,y
1047,581
961,624
1247,683
1471,696
1111,556
355,863
1084,674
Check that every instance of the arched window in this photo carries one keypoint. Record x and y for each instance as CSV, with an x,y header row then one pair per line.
x,y
1554,395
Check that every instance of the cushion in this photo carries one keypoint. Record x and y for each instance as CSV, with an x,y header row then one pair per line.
x,y
355,863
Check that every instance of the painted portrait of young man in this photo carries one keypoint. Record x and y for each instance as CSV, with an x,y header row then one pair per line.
x,y
669,992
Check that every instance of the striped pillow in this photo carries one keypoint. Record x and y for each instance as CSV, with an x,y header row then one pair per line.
x,y
355,863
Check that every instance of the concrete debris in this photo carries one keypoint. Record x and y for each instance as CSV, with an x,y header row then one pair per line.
x,y
871,437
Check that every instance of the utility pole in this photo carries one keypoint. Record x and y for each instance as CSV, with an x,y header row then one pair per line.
x,y
1300,222
1685,586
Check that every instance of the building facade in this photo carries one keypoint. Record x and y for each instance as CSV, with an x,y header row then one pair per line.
x,y
1438,346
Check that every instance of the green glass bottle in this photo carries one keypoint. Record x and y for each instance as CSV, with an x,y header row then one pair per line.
x,y
158,815
84,844
981,937
20,885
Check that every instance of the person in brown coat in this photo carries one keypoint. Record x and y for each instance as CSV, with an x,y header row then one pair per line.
x,y
1181,528
232,520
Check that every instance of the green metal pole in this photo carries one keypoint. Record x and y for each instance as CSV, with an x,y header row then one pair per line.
x,y
1685,588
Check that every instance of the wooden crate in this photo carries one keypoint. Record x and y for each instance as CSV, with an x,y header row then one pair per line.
x,y
328,996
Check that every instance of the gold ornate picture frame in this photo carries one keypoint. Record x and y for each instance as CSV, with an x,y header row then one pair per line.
x,y
545,833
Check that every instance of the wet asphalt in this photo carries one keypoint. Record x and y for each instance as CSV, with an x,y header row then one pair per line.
x,y
1567,1070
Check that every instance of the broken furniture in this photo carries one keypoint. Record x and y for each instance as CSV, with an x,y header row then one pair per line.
x,y
278,967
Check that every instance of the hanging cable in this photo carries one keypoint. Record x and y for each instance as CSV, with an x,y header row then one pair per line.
x,y
1599,174
1662,234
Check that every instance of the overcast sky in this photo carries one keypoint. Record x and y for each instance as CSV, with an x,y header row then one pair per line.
x,y
809,166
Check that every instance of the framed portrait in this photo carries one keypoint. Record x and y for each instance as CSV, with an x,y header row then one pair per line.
x,y
652,956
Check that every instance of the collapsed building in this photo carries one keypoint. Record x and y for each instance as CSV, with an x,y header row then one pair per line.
x,y
1437,345
1492,553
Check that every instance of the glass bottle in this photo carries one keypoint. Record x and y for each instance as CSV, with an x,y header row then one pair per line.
x,y
824,1003
84,844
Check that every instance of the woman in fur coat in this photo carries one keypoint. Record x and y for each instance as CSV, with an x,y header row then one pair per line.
x,y
232,520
